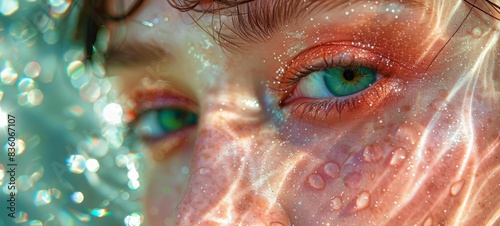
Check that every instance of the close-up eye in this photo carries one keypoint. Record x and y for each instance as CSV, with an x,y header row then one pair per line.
x,y
339,77
160,123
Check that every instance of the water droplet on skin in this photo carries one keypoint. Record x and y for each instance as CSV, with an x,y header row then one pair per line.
x,y
477,32
332,170
398,157
373,153
203,171
353,180
427,222
363,200
337,203
436,104
407,134
316,181
457,187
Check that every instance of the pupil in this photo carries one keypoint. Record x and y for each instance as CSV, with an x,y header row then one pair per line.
x,y
348,75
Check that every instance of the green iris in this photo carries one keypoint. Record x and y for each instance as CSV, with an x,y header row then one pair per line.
x,y
344,81
171,120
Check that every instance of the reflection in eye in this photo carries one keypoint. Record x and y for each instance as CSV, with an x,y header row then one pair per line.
x,y
337,82
156,124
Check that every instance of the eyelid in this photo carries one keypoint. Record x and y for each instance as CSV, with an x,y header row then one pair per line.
x,y
152,99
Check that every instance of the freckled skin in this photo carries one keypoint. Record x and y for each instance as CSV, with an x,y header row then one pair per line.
x,y
248,166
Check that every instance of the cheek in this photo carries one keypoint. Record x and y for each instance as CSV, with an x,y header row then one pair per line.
x,y
168,179
413,155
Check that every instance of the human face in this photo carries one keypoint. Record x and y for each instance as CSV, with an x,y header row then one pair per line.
x,y
413,140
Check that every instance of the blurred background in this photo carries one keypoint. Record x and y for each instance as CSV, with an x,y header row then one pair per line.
x,y
74,166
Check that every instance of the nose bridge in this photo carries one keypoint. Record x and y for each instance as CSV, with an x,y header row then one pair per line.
x,y
220,190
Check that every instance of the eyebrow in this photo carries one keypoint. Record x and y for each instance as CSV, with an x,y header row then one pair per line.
x,y
136,53
257,21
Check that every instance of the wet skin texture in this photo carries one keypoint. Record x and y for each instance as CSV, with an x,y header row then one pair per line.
x,y
418,147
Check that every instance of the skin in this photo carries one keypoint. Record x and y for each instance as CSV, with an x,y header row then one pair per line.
x,y
422,150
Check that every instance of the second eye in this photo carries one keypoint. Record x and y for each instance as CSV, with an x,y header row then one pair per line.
x,y
158,123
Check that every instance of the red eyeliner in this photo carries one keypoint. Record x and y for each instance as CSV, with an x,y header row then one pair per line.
x,y
156,98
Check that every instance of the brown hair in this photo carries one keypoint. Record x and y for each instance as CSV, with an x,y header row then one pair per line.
x,y
94,15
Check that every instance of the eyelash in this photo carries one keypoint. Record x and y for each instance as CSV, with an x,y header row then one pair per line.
x,y
298,69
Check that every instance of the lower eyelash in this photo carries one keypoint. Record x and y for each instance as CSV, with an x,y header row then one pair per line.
x,y
324,107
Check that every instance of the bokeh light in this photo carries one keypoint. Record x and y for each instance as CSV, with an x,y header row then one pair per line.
x,y
69,133
42,197
77,197
99,212
21,146
112,113
32,69
36,223
2,173
92,165
134,219
21,217
9,7
76,163
8,75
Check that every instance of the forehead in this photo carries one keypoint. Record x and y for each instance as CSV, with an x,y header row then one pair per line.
x,y
250,18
